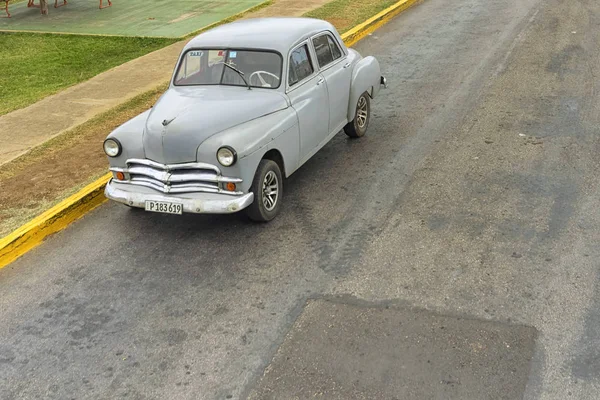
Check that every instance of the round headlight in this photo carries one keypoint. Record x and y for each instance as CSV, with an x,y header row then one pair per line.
x,y
226,156
112,147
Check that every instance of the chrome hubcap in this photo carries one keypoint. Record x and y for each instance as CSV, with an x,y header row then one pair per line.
x,y
361,112
270,190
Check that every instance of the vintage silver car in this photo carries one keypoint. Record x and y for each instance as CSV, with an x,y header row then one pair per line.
x,y
249,103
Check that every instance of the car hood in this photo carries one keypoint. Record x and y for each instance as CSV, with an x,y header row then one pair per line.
x,y
184,117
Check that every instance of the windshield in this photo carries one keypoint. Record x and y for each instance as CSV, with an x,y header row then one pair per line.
x,y
205,67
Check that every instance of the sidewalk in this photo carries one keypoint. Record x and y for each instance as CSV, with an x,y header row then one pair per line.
x,y
24,129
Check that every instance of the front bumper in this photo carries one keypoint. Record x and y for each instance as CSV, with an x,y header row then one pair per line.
x,y
197,203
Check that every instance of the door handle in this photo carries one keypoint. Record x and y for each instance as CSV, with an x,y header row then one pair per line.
x,y
321,80
346,65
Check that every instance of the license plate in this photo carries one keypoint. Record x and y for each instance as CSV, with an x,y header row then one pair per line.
x,y
164,207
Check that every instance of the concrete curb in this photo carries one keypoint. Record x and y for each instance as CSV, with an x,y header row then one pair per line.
x,y
76,206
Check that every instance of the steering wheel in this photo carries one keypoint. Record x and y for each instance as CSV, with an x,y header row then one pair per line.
x,y
259,74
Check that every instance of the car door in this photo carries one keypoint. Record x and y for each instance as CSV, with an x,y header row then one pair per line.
x,y
335,68
307,92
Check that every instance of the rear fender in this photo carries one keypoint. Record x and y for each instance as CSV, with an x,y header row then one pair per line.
x,y
366,77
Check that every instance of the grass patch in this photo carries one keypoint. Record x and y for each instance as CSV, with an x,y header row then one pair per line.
x,y
60,167
33,65
346,14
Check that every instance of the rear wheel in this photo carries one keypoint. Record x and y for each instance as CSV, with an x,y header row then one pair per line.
x,y
358,126
267,187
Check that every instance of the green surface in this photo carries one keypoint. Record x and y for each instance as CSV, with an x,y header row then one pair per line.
x,y
172,18
34,66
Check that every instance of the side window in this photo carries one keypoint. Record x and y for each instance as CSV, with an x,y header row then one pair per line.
x,y
335,49
300,66
324,55
327,50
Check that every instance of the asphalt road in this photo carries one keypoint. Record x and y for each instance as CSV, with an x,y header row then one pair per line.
x,y
475,194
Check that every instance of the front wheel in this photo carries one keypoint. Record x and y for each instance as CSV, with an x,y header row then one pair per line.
x,y
358,126
267,187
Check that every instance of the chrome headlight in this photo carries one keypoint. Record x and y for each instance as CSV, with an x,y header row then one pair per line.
x,y
226,156
112,147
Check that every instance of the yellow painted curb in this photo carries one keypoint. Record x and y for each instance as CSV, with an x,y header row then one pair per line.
x,y
61,215
360,31
55,219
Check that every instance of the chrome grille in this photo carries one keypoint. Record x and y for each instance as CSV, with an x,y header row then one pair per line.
x,y
175,178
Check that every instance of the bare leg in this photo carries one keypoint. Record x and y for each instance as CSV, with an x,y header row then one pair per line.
x,y
102,6
44,7
6,8
56,3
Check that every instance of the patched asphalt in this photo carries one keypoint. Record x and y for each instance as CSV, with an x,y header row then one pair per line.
x,y
474,195
374,351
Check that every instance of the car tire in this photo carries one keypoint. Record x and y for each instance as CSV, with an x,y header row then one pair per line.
x,y
266,204
362,114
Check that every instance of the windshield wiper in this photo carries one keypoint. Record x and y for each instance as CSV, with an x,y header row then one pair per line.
x,y
240,73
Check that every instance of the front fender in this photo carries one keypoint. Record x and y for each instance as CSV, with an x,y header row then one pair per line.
x,y
366,77
251,140
130,135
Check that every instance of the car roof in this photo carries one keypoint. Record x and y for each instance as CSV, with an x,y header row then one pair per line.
x,y
278,34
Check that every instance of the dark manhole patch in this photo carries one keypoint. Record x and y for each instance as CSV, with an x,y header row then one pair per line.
x,y
341,351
